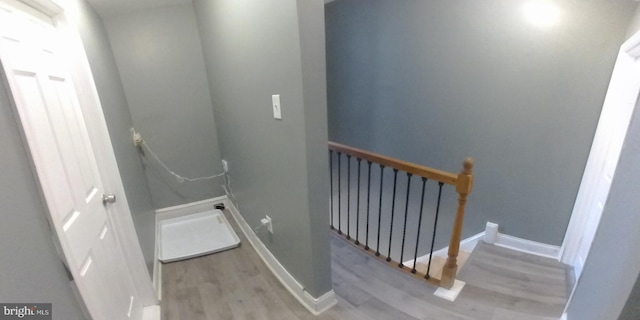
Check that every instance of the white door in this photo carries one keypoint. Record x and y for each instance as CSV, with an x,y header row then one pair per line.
x,y
619,104
48,108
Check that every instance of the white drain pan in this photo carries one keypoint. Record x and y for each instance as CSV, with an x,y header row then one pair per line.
x,y
195,235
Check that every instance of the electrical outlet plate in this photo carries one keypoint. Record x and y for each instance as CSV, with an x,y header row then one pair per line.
x,y
137,137
269,224
277,110
225,165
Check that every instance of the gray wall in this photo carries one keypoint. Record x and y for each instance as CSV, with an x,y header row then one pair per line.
x,y
631,310
634,25
116,112
314,87
434,81
31,269
159,57
254,49
613,264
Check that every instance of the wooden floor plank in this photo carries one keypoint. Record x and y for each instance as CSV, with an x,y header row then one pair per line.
x,y
515,281
501,314
236,284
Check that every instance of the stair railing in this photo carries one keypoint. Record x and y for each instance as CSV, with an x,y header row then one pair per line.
x,y
463,183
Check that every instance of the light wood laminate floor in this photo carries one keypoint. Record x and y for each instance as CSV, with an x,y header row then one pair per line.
x,y
501,285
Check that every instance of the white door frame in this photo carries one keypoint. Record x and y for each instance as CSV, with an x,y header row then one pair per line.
x,y
624,88
64,13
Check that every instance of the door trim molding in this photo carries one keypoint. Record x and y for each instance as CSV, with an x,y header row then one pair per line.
x,y
630,49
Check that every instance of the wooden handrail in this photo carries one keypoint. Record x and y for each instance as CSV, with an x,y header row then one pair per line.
x,y
463,183
418,170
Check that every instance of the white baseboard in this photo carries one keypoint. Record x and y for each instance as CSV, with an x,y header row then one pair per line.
x,y
502,240
522,245
314,305
188,208
528,246
157,266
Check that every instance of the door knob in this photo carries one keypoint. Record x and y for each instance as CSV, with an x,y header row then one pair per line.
x,y
108,198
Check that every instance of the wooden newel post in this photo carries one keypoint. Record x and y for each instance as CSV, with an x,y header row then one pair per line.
x,y
464,184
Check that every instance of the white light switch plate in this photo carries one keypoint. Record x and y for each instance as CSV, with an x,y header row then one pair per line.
x,y
277,111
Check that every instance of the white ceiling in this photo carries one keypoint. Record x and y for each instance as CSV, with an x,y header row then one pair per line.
x,y
113,7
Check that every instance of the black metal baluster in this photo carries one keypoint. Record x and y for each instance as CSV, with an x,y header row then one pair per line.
x,y
435,226
415,255
358,205
406,210
331,185
380,210
366,247
339,194
348,196
393,206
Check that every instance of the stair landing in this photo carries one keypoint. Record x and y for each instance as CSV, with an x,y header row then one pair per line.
x,y
524,286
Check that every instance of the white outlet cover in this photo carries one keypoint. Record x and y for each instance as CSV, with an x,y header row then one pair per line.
x,y
270,224
277,108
